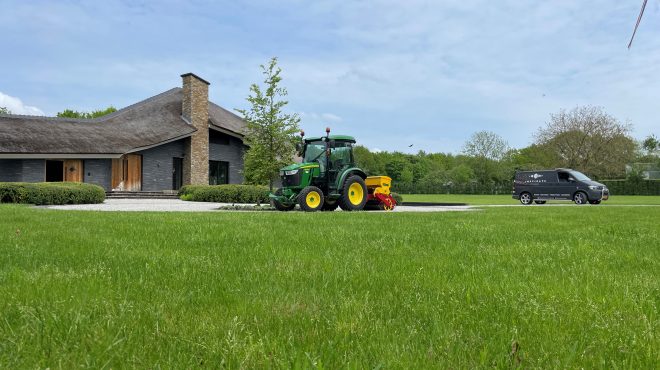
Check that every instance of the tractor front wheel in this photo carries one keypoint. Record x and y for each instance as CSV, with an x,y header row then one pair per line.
x,y
354,195
310,199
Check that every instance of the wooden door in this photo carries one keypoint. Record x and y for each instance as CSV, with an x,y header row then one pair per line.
x,y
117,173
133,171
127,173
73,170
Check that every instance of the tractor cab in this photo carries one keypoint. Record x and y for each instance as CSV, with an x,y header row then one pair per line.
x,y
333,154
326,178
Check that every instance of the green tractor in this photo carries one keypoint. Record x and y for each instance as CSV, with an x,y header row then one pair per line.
x,y
328,178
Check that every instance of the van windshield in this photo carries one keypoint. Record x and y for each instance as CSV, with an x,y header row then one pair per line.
x,y
579,176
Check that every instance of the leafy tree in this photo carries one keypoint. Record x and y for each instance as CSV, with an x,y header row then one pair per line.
x,y
486,144
270,133
588,139
651,145
69,113
461,174
4,110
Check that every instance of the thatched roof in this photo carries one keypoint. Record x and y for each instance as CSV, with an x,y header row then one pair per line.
x,y
151,122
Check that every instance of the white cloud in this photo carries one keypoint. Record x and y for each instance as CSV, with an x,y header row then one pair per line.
x,y
16,106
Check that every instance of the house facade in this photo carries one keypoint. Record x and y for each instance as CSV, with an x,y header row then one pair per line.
x,y
172,139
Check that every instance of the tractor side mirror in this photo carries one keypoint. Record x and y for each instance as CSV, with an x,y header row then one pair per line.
x,y
332,143
299,148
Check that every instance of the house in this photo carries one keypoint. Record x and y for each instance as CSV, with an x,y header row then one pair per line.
x,y
172,139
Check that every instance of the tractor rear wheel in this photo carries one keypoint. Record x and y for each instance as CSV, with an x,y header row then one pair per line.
x,y
310,199
354,194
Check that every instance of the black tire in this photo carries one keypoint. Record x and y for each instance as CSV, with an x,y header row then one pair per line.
x,y
594,202
580,198
348,193
311,199
279,205
539,201
329,206
526,198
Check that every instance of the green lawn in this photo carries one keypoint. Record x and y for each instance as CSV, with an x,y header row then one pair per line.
x,y
506,199
571,287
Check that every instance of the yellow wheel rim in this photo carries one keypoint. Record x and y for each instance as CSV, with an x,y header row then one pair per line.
x,y
355,193
313,199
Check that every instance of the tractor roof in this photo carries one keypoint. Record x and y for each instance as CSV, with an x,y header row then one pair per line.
x,y
332,137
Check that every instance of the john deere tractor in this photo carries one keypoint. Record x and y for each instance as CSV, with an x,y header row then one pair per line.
x,y
328,178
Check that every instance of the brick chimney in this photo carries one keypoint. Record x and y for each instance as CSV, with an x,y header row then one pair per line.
x,y
195,111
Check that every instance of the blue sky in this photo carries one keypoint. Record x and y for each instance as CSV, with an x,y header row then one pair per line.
x,y
392,73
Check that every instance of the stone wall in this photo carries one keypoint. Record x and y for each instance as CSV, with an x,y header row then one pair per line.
x,y
195,110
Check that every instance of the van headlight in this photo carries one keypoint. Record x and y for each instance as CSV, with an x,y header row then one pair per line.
x,y
291,172
594,187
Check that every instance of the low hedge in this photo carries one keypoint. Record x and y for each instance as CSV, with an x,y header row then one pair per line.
x,y
225,193
629,187
46,193
397,198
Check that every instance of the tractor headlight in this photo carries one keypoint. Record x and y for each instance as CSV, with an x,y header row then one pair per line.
x,y
292,172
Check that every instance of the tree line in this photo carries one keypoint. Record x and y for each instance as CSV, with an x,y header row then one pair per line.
x,y
584,138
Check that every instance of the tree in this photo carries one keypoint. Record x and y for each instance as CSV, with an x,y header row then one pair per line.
x,y
486,144
588,139
4,110
651,144
69,113
270,133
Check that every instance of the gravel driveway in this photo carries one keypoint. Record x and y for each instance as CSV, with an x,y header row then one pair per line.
x,y
177,205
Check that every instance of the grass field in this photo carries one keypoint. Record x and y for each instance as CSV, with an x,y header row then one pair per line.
x,y
552,287
506,199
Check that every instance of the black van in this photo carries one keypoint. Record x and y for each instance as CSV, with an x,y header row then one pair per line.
x,y
562,183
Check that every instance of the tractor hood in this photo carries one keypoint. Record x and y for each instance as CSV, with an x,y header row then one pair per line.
x,y
298,166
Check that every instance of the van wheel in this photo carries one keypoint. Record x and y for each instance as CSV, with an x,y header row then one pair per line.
x,y
539,201
526,198
580,198
594,202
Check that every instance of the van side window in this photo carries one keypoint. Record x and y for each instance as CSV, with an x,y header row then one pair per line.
x,y
563,176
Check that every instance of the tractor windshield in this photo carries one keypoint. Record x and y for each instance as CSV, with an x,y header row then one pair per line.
x,y
314,151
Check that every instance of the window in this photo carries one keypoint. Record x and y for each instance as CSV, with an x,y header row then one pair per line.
x,y
341,155
54,171
218,172
219,138
314,151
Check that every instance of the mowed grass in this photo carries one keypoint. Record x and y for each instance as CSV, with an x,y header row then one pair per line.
x,y
506,199
552,287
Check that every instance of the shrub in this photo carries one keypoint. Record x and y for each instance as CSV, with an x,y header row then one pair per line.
x,y
225,193
46,193
397,197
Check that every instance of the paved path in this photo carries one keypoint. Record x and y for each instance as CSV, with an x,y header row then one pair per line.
x,y
177,205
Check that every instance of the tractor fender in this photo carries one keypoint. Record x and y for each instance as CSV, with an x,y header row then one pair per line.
x,y
347,173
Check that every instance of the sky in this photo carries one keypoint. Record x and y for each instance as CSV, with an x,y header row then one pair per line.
x,y
391,73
